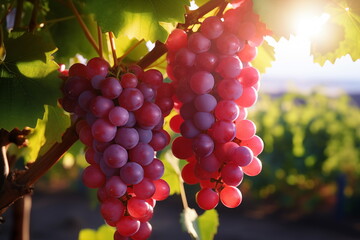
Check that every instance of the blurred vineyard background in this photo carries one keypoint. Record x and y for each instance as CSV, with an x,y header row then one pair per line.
x,y
311,172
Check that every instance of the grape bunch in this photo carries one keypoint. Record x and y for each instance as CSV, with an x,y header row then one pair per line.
x,y
215,84
120,120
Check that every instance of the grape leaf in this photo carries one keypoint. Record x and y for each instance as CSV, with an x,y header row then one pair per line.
x,y
201,2
67,34
87,234
28,80
188,222
208,224
342,33
203,227
172,171
123,44
48,130
264,58
103,232
137,19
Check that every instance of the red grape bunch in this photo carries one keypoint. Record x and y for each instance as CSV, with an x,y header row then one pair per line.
x,y
215,84
121,124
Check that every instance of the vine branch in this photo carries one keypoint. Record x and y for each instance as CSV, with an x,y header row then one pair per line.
x,y
20,183
84,27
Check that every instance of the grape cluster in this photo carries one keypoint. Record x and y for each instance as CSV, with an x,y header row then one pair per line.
x,y
215,84
121,124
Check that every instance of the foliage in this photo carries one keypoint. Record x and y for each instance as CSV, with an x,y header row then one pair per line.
x,y
311,141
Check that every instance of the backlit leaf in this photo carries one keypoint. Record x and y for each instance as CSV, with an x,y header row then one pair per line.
x,y
137,19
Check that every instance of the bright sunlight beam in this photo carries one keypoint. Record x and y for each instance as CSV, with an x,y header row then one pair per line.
x,y
310,26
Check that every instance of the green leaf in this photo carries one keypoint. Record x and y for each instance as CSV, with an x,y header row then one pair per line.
x,y
67,34
48,130
137,19
201,2
264,58
123,44
342,33
28,80
87,234
104,232
208,224
202,227
188,222
172,171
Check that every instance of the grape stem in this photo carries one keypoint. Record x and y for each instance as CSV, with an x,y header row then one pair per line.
x,y
183,193
100,41
113,48
84,27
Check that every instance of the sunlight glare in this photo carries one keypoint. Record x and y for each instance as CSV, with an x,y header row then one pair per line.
x,y
310,26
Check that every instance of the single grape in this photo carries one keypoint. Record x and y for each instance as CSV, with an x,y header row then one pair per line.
x,y
154,170
202,82
162,190
229,67
212,27
142,154
131,99
103,131
144,231
115,156
230,196
127,137
203,145
115,187
132,173
127,226
138,208
144,189
112,209
207,199
93,177
198,43
253,168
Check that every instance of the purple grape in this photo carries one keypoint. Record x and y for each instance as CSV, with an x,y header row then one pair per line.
x,y
115,156
127,137
132,173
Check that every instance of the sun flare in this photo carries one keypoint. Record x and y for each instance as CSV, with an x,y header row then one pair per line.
x,y
311,26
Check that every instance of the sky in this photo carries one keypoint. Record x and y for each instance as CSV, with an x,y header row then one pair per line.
x,y
294,67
